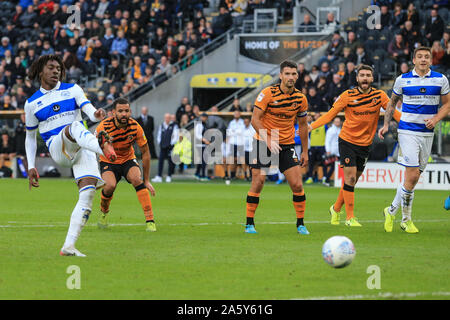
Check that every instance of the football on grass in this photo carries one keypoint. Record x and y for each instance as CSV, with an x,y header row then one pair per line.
x,y
338,251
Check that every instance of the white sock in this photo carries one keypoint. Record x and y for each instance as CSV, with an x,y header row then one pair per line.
x,y
397,202
80,215
84,138
407,201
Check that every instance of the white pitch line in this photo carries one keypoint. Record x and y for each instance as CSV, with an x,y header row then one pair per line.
x,y
381,295
62,224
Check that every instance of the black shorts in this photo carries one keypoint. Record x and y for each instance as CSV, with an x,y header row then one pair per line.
x,y
119,170
352,155
287,158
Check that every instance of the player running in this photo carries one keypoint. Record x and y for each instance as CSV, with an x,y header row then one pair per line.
x,y
362,111
421,89
55,110
276,109
124,132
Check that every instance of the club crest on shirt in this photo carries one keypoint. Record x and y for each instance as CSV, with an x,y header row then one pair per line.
x,y
423,90
56,108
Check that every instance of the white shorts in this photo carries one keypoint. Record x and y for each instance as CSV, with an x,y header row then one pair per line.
x,y
414,150
69,154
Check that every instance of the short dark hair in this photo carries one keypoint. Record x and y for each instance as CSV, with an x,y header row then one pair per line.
x,y
422,49
364,67
287,64
120,100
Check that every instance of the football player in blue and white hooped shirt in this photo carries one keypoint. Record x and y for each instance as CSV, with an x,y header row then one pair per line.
x,y
421,89
55,109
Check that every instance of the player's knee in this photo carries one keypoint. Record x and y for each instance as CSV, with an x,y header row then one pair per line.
x,y
297,186
109,189
351,180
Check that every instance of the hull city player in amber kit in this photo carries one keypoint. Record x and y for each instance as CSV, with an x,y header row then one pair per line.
x,y
277,108
124,132
362,110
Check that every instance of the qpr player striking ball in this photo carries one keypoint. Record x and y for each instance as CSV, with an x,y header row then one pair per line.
x,y
338,251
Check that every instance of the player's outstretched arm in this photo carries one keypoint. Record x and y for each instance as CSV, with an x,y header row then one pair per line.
x,y
30,150
443,112
390,109
146,157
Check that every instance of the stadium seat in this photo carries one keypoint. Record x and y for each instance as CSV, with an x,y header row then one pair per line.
x,y
387,68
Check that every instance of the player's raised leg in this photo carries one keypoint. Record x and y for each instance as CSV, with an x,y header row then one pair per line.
x,y
294,178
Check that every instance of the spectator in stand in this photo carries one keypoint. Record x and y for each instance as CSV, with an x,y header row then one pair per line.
x,y
410,34
180,54
7,150
334,90
119,45
413,16
398,16
6,105
322,87
331,23
138,69
362,57
348,55
159,41
437,52
115,73
307,25
385,17
325,72
398,49
301,76
164,66
236,106
222,22
434,27
181,109
189,112
315,102
313,75
404,68
352,42
446,59
5,46
191,59
334,48
170,50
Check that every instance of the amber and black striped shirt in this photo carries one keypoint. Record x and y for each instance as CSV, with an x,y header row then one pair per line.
x,y
280,111
123,138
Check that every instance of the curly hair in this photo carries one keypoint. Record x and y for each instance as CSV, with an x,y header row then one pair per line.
x,y
38,65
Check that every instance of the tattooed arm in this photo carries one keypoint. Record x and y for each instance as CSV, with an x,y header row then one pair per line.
x,y
390,108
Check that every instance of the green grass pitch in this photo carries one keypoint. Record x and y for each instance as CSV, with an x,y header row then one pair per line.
x,y
200,250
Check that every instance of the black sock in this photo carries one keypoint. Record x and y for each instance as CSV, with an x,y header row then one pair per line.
x,y
149,221
250,220
299,222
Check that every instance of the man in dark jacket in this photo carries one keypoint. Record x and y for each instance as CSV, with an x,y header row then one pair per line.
x,y
147,123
